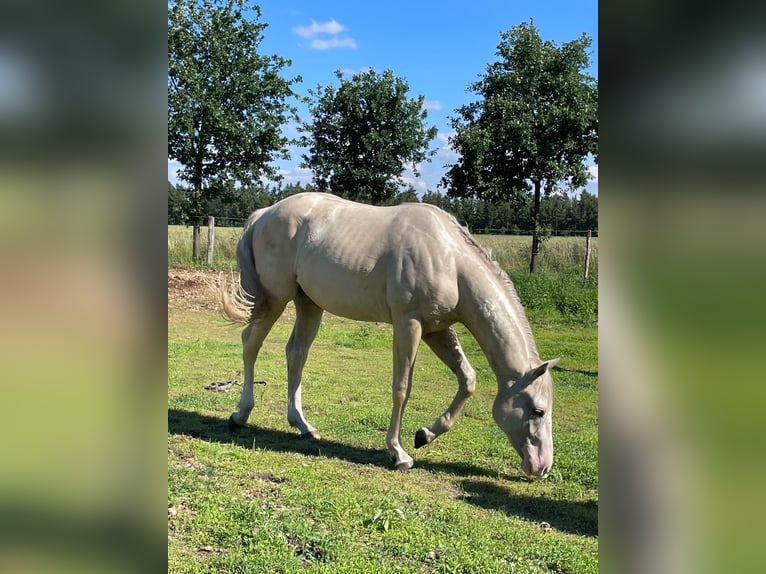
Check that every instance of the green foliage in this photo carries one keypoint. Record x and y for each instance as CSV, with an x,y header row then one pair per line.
x,y
562,214
363,134
387,514
535,120
563,295
226,102
533,126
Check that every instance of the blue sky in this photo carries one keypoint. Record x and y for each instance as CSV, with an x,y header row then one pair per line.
x,y
439,48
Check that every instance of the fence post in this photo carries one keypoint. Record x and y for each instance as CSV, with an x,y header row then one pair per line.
x,y
211,239
587,254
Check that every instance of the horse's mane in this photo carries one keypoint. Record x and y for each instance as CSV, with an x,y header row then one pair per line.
x,y
486,256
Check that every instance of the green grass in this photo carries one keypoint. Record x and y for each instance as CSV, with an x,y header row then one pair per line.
x,y
261,499
224,247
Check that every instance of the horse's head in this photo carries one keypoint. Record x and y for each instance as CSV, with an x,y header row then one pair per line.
x,y
523,410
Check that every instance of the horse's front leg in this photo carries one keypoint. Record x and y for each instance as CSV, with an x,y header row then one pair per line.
x,y
407,334
446,346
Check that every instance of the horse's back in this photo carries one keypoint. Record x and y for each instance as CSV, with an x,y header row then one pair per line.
x,y
355,260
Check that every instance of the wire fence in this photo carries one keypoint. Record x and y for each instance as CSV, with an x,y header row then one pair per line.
x,y
240,222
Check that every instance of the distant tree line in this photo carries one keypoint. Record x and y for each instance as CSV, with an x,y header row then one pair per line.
x,y
560,214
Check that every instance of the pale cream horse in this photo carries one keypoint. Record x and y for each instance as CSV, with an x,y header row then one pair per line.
x,y
412,266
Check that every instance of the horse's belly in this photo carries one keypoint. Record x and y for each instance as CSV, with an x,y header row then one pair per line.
x,y
347,293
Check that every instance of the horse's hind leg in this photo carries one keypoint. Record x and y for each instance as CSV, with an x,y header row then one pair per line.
x,y
447,347
407,332
308,316
252,339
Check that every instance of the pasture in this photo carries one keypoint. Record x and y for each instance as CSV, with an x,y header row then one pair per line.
x,y
260,499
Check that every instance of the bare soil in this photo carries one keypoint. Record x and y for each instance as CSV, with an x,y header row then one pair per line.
x,y
196,287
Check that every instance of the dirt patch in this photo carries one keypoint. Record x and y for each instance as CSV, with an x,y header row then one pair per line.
x,y
195,287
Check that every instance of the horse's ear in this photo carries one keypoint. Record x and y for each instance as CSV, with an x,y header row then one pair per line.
x,y
538,371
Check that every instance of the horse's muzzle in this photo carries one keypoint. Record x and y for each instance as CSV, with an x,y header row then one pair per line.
x,y
535,462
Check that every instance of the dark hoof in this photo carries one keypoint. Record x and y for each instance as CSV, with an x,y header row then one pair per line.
x,y
233,425
421,439
313,435
405,466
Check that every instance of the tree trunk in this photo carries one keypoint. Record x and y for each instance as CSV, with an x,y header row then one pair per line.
x,y
535,229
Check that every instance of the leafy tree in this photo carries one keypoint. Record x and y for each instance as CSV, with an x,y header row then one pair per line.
x,y
587,211
226,102
533,126
363,135
437,199
178,199
557,211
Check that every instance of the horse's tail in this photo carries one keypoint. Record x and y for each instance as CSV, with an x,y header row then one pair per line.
x,y
247,301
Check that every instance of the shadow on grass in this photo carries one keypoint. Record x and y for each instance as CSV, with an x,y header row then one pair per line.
x,y
579,518
580,371
214,429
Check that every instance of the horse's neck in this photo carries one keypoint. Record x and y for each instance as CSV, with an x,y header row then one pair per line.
x,y
497,321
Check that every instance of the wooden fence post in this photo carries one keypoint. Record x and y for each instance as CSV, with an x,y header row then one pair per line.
x,y
211,239
587,254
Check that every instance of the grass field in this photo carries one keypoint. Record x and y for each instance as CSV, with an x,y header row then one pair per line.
x,y
263,500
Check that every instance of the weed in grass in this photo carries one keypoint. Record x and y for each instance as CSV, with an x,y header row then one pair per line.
x,y
387,513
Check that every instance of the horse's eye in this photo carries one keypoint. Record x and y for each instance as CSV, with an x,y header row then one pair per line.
x,y
538,412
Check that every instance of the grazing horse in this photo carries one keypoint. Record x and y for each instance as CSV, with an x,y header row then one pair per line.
x,y
412,266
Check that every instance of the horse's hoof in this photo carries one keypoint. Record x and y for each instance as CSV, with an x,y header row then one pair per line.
x,y
313,435
405,466
421,438
233,425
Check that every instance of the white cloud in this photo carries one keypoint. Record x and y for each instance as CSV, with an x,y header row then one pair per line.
x,y
295,174
432,104
444,137
334,42
331,28
593,170
446,153
409,179
325,35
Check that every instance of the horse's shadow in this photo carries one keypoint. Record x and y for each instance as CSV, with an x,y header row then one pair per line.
x,y
579,518
217,430
585,372
575,517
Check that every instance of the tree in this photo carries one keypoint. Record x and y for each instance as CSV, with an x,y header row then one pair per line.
x,y
363,136
587,211
226,102
533,126
177,200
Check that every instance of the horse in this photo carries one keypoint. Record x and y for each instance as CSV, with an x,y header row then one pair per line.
x,y
412,266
